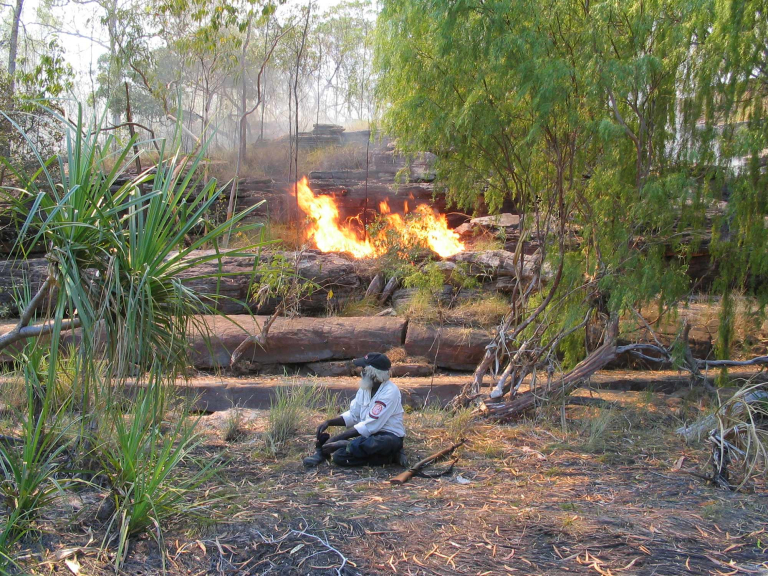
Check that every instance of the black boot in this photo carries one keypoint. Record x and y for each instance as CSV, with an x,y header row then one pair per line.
x,y
401,459
315,460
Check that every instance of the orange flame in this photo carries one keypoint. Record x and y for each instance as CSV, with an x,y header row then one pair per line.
x,y
329,235
324,227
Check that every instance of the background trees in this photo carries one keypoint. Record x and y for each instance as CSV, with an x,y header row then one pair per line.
x,y
219,59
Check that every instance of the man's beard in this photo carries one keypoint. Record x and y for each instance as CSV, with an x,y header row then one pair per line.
x,y
366,381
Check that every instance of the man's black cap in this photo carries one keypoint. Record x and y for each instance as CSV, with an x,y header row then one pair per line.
x,y
378,361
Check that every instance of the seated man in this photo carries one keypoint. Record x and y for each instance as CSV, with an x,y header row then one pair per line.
x,y
374,422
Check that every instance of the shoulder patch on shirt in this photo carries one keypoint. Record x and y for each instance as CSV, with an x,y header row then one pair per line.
x,y
377,409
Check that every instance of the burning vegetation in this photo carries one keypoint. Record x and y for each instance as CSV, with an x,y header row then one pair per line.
x,y
421,227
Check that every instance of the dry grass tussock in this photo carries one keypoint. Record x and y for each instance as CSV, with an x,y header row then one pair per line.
x,y
484,312
363,307
481,313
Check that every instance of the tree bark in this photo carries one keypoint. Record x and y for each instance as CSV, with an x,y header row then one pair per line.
x,y
131,129
13,47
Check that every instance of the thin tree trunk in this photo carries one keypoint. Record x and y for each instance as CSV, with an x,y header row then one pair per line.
x,y
263,99
319,70
242,132
299,56
13,47
131,129
244,93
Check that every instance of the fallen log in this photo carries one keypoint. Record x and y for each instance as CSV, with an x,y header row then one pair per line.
x,y
291,340
559,387
734,408
230,293
447,347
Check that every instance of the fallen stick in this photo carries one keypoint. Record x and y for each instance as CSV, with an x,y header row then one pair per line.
x,y
431,459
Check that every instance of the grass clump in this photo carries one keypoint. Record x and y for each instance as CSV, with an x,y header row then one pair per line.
x,y
116,246
595,429
482,313
142,467
290,408
233,426
420,308
364,307
33,464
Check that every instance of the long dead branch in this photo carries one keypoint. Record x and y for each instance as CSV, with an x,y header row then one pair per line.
x,y
556,389
23,331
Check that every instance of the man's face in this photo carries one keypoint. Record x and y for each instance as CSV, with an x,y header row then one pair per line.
x,y
366,380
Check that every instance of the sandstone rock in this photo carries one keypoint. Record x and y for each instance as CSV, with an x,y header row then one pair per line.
x,y
330,368
412,370
230,294
494,263
404,296
497,221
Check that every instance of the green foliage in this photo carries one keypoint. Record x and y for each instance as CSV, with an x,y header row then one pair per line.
x,y
132,241
115,253
427,279
32,469
279,280
50,77
141,464
594,111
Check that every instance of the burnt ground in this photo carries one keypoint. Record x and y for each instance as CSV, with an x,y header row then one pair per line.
x,y
580,490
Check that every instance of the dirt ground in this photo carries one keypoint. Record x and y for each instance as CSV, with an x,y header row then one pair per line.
x,y
582,490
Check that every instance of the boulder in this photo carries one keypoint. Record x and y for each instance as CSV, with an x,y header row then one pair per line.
x,y
411,370
338,368
375,287
497,221
403,296
389,289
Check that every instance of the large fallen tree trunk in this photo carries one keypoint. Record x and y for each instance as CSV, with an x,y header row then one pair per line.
x,y
560,387
213,339
231,294
447,347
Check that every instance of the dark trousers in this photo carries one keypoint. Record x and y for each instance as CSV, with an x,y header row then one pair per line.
x,y
375,450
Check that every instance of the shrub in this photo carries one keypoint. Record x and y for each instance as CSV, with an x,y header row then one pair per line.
x,y
141,464
116,247
32,465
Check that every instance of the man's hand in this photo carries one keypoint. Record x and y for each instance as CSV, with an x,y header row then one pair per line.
x,y
322,428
